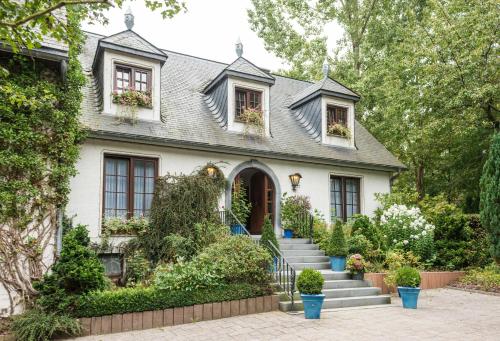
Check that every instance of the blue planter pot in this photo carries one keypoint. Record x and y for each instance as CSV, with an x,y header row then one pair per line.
x,y
287,233
274,265
409,296
237,229
312,305
337,263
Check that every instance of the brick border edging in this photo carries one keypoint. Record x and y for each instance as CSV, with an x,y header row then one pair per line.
x,y
174,316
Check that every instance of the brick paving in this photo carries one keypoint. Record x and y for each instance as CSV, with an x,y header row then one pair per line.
x,y
443,314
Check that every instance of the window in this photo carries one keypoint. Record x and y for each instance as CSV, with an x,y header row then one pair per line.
x,y
344,197
128,186
112,263
335,114
132,78
247,99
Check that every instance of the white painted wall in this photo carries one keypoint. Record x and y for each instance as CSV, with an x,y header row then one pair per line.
x,y
85,200
234,83
337,140
110,59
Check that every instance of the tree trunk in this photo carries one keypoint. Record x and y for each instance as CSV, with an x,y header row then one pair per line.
x,y
420,181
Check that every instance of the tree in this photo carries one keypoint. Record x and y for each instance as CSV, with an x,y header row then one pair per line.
x,y
269,237
490,197
27,23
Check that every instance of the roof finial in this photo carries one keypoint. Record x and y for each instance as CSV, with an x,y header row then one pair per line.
x,y
129,19
326,67
239,48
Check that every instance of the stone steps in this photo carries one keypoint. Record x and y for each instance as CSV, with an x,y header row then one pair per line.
x,y
307,259
341,302
294,253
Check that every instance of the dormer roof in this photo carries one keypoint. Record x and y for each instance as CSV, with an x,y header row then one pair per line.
x,y
244,69
326,86
130,42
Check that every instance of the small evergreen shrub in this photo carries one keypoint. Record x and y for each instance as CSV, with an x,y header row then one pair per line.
x,y
363,225
358,243
310,282
320,230
38,325
240,206
138,268
337,245
269,237
128,300
407,276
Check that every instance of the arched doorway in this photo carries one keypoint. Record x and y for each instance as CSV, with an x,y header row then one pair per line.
x,y
262,191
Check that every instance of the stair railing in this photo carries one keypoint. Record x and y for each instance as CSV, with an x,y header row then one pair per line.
x,y
305,225
284,274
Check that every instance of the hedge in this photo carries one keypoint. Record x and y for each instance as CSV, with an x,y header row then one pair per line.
x,y
128,300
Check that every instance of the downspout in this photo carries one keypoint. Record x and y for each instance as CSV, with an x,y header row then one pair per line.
x,y
393,178
59,232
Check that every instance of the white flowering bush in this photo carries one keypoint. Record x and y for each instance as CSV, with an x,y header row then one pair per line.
x,y
406,229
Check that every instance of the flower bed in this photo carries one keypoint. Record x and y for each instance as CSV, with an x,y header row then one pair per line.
x,y
430,280
487,280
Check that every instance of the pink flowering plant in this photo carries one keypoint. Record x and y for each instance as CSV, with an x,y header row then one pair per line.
x,y
356,264
406,229
133,98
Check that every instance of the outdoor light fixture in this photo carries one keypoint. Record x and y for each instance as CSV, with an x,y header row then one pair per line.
x,y
295,180
211,171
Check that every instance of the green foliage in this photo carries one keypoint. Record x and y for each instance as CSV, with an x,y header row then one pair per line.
x,y
490,197
188,276
38,325
487,279
237,259
407,276
207,233
337,245
138,268
132,226
363,225
76,272
180,202
138,299
239,203
310,282
321,235
395,260
356,263
269,237
358,243
295,214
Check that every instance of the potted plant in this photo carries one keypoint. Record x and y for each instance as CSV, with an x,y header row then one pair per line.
x,y
240,207
310,284
337,129
293,212
254,121
356,266
408,282
269,237
337,248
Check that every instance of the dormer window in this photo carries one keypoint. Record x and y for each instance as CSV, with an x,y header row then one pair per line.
x,y
247,99
336,121
132,78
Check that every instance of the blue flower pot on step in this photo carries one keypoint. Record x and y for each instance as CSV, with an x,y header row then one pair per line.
x,y
337,263
274,266
237,229
312,305
287,233
409,296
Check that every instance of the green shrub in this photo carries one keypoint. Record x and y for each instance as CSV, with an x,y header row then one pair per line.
x,y
294,214
138,268
207,233
407,276
269,237
490,196
363,225
310,282
128,300
76,272
320,230
239,203
356,264
178,247
237,259
358,243
38,325
337,245
130,226
186,276
487,279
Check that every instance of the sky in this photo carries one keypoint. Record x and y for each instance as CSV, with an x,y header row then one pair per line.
x,y
209,29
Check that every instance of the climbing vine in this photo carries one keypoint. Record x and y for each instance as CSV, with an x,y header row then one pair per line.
x,y
39,137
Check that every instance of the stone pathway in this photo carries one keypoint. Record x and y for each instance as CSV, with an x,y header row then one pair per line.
x,y
443,314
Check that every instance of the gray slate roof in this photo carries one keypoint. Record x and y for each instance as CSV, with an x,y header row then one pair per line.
x,y
188,122
244,66
327,86
131,39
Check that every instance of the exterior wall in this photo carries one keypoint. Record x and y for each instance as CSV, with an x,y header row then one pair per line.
x,y
112,58
335,140
86,188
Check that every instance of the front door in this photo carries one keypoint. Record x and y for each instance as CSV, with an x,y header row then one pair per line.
x,y
262,199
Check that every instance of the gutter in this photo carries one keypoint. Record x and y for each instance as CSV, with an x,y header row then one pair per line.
x,y
223,149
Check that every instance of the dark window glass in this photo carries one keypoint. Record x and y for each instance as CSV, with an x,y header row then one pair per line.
x,y
344,197
247,99
127,77
336,114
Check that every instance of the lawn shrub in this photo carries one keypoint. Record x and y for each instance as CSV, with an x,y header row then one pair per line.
x,y
138,268
128,300
38,325
237,259
358,243
310,282
363,225
186,276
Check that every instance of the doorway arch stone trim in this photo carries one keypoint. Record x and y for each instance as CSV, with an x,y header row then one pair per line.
x,y
277,188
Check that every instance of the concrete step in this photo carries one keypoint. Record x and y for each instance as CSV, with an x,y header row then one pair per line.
x,y
330,275
338,293
293,253
294,241
345,284
307,259
341,302
298,247
317,266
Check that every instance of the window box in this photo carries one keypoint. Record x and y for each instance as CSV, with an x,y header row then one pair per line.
x,y
339,130
133,98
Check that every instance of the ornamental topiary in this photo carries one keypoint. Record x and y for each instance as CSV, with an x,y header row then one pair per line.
x,y
490,197
310,282
337,246
269,237
407,276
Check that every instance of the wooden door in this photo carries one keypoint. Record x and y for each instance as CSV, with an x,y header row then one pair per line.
x,y
262,199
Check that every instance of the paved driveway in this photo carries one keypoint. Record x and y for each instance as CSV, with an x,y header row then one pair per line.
x,y
443,314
